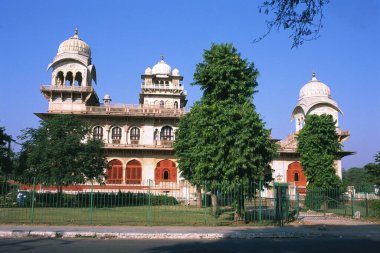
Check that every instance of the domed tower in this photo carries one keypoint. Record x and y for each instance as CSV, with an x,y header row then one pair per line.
x,y
73,72
314,98
162,87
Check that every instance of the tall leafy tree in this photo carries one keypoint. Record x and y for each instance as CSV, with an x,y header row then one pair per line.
x,y
373,171
5,152
358,178
61,150
319,147
223,139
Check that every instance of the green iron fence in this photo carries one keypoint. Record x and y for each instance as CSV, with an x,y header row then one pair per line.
x,y
40,201
335,203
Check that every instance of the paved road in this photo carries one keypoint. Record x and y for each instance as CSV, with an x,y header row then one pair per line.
x,y
317,245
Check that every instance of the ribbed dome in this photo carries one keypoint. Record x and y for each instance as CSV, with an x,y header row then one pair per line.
x,y
175,72
314,88
161,68
74,45
148,71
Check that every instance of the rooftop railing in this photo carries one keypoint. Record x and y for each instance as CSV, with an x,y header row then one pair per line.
x,y
65,88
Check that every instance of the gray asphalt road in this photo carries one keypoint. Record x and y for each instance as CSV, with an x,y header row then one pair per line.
x,y
317,245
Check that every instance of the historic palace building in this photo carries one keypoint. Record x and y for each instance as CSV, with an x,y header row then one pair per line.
x,y
138,138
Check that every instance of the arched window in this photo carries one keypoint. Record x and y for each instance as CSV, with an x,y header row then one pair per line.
x,y
162,104
78,79
166,171
165,175
116,135
133,172
134,135
166,133
114,172
97,133
296,178
59,79
69,78
175,104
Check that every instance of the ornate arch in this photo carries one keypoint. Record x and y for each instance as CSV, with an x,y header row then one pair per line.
x,y
133,172
166,171
114,172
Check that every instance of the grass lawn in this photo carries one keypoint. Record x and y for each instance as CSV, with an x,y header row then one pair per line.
x,y
132,215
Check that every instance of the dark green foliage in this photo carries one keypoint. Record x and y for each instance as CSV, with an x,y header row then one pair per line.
x,y
302,17
98,199
223,138
5,152
60,149
373,171
224,76
374,205
318,146
358,178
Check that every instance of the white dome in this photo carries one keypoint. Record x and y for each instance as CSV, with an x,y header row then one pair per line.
x,y
148,71
107,97
175,72
315,88
161,68
74,45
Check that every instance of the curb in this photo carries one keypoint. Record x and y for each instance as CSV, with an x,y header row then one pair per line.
x,y
152,236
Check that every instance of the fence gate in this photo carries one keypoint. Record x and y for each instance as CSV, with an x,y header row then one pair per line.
x,y
281,203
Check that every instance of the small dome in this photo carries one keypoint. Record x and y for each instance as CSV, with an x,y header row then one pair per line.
x,y
161,68
107,97
148,71
74,45
315,88
175,72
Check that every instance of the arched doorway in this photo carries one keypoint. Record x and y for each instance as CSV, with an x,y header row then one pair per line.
x,y
133,172
296,176
114,172
166,171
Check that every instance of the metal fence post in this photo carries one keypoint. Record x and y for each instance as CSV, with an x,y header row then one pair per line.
x,y
260,203
91,201
353,202
205,204
32,206
297,203
149,211
366,204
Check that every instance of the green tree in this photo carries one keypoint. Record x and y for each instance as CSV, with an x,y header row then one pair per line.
x,y
61,150
303,18
373,171
223,139
319,147
358,178
5,152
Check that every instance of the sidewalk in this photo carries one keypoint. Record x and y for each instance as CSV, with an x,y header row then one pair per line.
x,y
294,230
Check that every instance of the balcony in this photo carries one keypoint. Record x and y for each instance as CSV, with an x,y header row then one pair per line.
x,y
66,88
163,87
135,110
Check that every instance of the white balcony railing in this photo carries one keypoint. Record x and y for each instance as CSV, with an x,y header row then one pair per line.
x,y
162,86
65,88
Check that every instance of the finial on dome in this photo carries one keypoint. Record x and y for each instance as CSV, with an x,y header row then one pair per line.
x,y
162,57
76,31
314,76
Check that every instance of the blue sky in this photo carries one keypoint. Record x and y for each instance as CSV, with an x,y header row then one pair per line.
x,y
128,36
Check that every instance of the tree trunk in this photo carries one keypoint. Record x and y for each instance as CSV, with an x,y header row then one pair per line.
x,y
214,203
199,196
